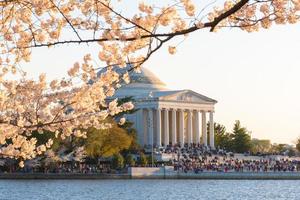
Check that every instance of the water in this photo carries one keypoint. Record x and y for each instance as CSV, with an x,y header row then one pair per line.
x,y
149,189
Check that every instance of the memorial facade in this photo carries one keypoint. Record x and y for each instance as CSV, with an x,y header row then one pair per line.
x,y
168,117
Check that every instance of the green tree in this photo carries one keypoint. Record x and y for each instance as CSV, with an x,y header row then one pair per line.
x,y
149,159
134,146
262,146
43,137
129,160
226,141
241,138
291,152
280,148
107,142
143,160
117,161
223,139
128,126
298,144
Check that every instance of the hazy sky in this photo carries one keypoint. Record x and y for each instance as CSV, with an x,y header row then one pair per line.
x,y
254,77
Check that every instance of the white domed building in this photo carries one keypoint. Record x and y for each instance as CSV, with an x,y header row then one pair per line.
x,y
167,117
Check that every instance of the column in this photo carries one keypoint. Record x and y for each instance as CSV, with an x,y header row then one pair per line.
x,y
211,130
197,127
181,128
174,140
190,127
166,127
204,128
150,127
158,127
140,126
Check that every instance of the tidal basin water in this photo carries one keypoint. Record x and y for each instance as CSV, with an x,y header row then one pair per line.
x,y
149,189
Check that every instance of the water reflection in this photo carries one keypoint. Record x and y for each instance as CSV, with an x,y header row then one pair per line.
x,y
149,189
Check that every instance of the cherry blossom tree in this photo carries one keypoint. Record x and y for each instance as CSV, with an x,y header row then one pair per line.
x,y
125,38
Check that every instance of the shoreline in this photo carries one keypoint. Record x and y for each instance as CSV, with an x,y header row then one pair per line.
x,y
199,176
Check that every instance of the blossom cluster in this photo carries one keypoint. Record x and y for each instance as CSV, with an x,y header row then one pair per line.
x,y
60,107
258,14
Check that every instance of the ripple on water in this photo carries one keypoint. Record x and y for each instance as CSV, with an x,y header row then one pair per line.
x,y
149,189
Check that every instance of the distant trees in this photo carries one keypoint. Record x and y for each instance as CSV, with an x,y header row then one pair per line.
x,y
118,161
279,148
223,139
261,146
143,161
298,144
285,149
129,160
238,140
291,152
241,138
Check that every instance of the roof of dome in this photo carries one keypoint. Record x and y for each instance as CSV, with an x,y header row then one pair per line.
x,y
143,82
145,77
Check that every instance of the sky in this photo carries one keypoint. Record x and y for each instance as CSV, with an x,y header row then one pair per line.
x,y
255,77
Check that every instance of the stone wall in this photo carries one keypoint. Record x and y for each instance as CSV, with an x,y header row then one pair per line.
x,y
169,173
159,173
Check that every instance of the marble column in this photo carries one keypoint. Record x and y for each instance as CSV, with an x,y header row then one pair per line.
x,y
166,127
174,139
158,127
211,130
197,127
204,128
181,128
140,126
190,127
150,127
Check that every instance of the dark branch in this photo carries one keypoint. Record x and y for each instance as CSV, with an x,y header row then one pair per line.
x,y
67,20
226,14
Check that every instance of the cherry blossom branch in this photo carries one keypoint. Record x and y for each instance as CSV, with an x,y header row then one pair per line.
x,y
67,20
210,25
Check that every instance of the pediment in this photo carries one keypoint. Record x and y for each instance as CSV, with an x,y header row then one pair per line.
x,y
188,96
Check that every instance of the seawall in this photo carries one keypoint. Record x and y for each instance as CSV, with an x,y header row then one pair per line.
x,y
62,176
159,173
169,173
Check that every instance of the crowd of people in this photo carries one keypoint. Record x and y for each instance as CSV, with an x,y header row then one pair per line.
x,y
198,158
67,167
187,159
229,164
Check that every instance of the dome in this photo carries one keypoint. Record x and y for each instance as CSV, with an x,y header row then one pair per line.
x,y
141,83
145,77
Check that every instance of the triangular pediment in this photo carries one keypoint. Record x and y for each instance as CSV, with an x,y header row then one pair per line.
x,y
188,96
